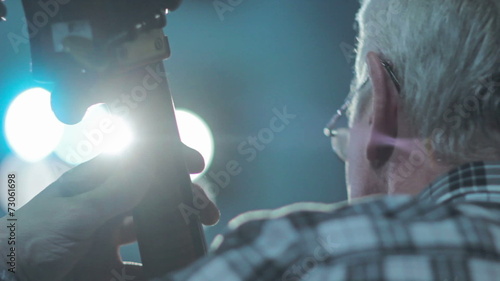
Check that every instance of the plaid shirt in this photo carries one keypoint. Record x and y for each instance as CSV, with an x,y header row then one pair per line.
x,y
449,232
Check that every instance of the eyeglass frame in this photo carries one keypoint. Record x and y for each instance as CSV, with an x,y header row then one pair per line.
x,y
330,129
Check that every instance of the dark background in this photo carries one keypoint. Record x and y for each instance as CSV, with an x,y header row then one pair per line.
x,y
233,71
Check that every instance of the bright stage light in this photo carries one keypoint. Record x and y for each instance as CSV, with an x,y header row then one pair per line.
x,y
31,128
120,139
98,132
195,133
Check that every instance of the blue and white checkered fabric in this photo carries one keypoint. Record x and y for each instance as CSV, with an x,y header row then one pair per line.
x,y
449,232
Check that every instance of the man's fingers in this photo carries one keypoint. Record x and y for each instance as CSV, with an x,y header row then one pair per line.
x,y
210,214
194,160
110,186
120,192
83,178
89,175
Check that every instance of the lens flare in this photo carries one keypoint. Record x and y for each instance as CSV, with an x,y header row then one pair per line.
x,y
31,128
195,133
98,132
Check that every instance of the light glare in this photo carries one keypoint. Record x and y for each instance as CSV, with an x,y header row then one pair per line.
x,y
98,132
31,128
195,133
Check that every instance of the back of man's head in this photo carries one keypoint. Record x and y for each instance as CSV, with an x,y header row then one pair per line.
x,y
446,54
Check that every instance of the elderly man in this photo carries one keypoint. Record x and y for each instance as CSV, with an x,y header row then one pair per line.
x,y
424,129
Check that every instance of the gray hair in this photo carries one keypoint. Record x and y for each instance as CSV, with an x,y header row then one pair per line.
x,y
446,53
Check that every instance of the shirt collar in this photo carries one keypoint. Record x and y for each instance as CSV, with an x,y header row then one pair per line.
x,y
472,182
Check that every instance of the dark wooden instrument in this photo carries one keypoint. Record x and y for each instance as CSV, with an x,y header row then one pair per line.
x,y
96,51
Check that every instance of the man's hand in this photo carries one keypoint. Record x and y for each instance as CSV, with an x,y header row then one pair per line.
x,y
72,229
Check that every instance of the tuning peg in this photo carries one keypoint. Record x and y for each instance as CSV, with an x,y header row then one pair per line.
x,y
3,11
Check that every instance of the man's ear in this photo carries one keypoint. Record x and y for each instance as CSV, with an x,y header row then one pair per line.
x,y
384,116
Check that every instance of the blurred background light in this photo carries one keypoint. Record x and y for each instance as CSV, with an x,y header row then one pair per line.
x,y
98,132
31,128
196,134
120,139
